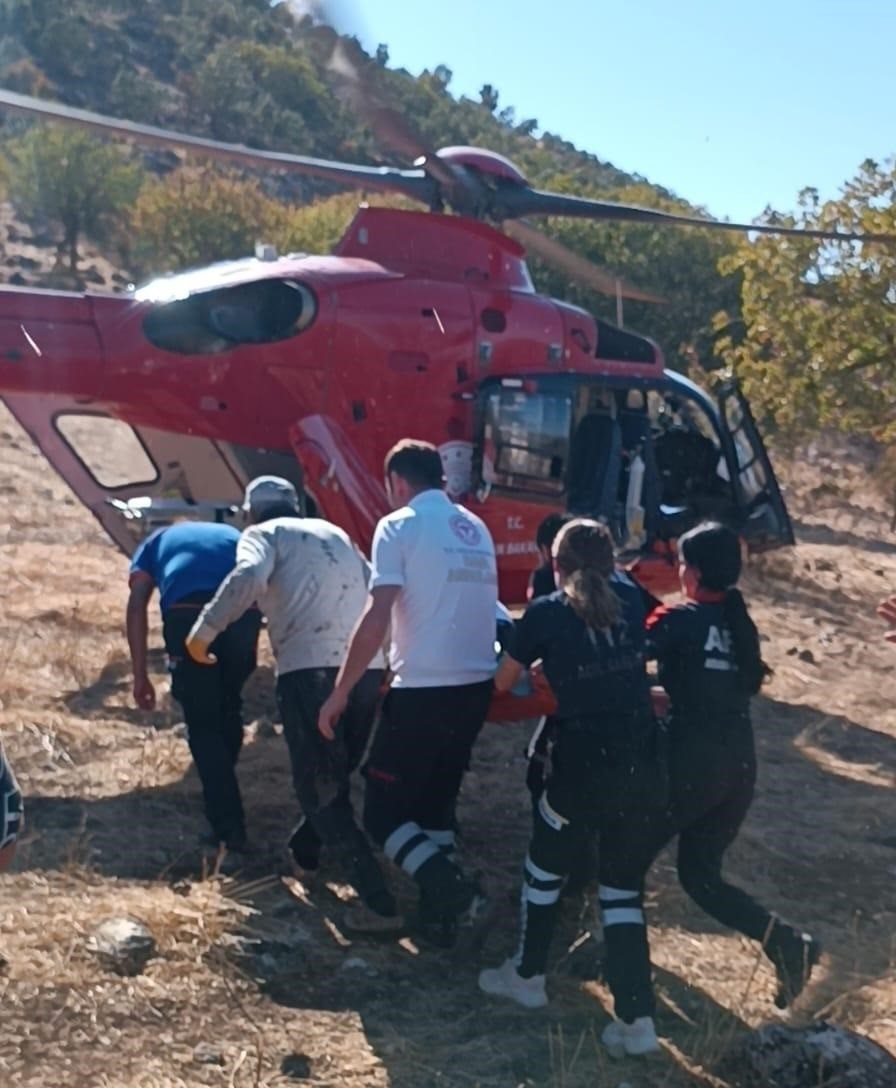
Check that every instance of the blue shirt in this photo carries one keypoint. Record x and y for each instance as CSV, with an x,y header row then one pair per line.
x,y
186,558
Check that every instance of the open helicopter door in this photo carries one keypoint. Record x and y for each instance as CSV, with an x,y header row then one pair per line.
x,y
766,521
132,479
337,477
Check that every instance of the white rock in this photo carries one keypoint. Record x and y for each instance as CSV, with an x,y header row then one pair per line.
x,y
122,944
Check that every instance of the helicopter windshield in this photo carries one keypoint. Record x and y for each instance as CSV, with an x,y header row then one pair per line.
x,y
258,312
526,440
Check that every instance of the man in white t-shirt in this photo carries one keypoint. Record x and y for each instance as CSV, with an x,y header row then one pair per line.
x,y
435,578
310,582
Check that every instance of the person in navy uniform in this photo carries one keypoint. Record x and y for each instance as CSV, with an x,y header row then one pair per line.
x,y
606,776
709,663
541,580
187,562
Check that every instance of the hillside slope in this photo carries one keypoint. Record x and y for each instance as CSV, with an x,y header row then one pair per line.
x,y
250,73
113,810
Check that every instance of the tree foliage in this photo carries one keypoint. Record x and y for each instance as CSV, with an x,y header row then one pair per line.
x,y
81,184
192,217
817,344
809,339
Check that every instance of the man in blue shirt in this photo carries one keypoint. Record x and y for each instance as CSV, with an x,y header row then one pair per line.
x,y
187,562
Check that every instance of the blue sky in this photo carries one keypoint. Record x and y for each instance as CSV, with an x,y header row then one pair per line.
x,y
732,106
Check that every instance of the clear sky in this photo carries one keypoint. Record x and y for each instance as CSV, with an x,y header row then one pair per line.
x,y
731,105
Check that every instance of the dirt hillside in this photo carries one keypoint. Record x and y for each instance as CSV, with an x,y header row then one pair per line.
x,y
256,968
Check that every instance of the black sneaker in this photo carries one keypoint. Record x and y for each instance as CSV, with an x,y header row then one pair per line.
x,y
794,955
442,925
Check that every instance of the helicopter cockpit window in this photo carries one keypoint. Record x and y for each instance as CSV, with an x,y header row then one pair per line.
x,y
260,312
526,440
108,448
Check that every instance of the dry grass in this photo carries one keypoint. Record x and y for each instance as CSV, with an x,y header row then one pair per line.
x,y
113,812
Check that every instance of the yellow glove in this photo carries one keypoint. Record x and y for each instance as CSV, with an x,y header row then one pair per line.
x,y
197,648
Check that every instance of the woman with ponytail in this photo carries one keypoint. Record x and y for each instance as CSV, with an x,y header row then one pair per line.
x,y
606,777
709,662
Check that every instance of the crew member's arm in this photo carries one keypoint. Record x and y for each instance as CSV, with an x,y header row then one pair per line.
x,y
137,623
366,641
255,558
509,672
526,645
887,611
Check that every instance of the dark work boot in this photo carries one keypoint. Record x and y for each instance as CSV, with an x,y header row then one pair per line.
x,y
304,845
444,913
794,955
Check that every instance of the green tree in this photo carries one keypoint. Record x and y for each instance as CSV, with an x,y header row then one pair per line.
x,y
488,96
817,346
316,228
82,184
192,217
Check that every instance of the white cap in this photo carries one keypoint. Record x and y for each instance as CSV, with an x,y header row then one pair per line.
x,y
265,491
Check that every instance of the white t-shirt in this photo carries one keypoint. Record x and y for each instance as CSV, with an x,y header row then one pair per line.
x,y
443,620
310,582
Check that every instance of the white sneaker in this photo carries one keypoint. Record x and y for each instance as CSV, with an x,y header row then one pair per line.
x,y
633,1039
504,981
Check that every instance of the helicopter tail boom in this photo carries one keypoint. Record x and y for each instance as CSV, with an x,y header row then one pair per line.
x,y
49,343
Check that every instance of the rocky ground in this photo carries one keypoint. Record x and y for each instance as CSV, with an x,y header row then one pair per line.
x,y
253,982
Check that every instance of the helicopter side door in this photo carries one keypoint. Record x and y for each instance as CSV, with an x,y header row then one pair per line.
x,y
766,523
132,479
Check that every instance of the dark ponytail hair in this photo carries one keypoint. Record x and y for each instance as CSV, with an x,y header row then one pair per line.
x,y
713,550
583,552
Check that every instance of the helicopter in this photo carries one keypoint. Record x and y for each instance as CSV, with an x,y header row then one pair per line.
x,y
164,402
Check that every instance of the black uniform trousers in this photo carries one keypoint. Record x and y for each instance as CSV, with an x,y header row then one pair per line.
x,y
616,790
712,774
321,772
417,761
211,698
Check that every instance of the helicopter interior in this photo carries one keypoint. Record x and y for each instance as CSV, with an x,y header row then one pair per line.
x,y
649,462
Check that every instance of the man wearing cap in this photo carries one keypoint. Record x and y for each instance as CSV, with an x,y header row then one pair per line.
x,y
186,562
311,583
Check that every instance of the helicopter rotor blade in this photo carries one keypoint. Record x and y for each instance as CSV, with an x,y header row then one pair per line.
x,y
578,268
413,183
354,74
356,85
518,201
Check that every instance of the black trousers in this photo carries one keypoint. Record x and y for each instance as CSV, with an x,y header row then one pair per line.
x,y
713,775
211,698
321,772
417,761
616,791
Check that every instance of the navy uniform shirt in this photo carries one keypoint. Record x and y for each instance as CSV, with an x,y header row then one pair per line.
x,y
542,582
593,674
696,662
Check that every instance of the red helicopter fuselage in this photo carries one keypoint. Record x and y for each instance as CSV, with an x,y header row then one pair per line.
x,y
401,333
